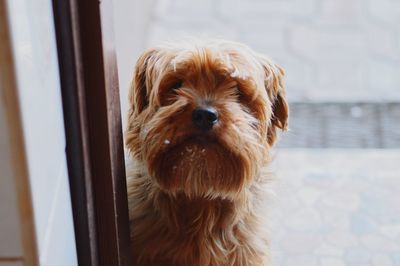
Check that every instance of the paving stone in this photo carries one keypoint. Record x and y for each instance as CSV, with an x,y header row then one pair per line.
x,y
342,239
305,220
340,13
327,250
356,236
314,42
383,78
159,34
381,203
378,243
381,260
265,9
396,258
382,42
357,255
335,220
300,242
304,260
180,10
309,196
385,11
391,231
362,224
332,262
341,201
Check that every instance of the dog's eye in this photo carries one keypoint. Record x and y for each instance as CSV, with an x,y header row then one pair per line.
x,y
169,92
176,86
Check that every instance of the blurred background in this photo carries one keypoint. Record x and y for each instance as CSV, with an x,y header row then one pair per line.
x,y
338,172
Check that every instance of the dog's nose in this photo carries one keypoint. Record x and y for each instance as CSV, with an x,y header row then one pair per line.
x,y
205,117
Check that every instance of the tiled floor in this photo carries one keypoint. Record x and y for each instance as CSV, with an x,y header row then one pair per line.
x,y
336,207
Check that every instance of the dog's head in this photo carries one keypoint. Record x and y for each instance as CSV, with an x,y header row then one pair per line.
x,y
203,117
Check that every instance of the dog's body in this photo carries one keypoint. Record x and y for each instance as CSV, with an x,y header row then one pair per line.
x,y
202,121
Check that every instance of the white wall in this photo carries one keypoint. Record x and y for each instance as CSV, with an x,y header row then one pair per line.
x,y
35,56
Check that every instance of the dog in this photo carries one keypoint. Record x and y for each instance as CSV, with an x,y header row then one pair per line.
x,y
203,118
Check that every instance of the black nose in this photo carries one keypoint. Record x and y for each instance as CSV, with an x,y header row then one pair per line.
x,y
205,117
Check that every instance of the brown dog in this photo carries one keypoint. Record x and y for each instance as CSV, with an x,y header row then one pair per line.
x,y
203,118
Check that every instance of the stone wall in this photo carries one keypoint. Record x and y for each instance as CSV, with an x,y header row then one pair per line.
x,y
332,50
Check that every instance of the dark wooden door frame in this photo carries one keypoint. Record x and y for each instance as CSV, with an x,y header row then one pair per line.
x,y
89,82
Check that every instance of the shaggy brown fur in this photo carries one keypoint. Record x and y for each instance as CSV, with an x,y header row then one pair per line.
x,y
195,195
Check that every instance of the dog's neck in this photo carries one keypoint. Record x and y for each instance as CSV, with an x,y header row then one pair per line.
x,y
206,220
180,208
199,213
193,225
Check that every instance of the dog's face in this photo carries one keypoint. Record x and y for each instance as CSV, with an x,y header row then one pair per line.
x,y
203,118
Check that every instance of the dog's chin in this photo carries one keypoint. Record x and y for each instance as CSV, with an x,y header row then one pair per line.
x,y
199,166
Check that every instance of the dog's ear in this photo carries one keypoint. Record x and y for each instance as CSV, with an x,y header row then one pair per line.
x,y
277,95
142,82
